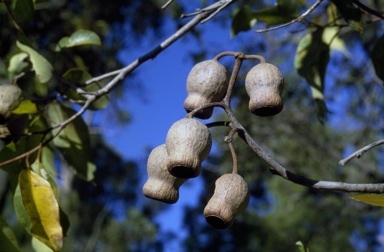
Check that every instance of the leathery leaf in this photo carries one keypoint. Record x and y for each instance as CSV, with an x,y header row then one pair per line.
x,y
42,208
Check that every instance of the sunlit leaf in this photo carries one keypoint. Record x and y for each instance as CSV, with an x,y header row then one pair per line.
x,y
378,57
8,239
23,9
41,66
301,247
73,141
63,42
242,20
331,38
83,37
39,246
42,208
78,38
25,107
311,62
76,75
39,168
372,199
350,13
17,65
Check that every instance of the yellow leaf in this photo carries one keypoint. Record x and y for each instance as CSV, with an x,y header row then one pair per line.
x,y
25,107
372,199
42,208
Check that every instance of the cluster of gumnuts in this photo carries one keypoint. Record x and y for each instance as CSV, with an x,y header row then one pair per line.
x,y
188,141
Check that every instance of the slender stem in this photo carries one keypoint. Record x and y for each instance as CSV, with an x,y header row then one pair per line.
x,y
299,19
196,110
232,80
228,139
218,123
361,152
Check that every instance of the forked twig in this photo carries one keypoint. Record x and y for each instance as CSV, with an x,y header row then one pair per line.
x,y
299,19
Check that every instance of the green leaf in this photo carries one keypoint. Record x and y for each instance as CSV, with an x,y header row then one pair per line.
x,y
41,206
23,10
311,62
243,20
41,66
283,12
78,38
25,107
372,199
10,151
73,141
378,57
76,75
350,13
301,247
17,65
8,239
22,215
48,159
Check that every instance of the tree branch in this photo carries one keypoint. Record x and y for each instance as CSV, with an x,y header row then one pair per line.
x,y
118,75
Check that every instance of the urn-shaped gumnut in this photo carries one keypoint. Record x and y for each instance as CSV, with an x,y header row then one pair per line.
x,y
188,143
207,82
230,197
161,185
264,84
10,98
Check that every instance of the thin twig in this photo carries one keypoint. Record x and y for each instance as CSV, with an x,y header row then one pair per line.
x,y
299,19
213,9
361,152
166,4
369,10
218,123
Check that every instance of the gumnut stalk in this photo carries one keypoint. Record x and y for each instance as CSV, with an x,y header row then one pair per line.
x,y
188,143
230,197
161,185
264,84
207,82
10,98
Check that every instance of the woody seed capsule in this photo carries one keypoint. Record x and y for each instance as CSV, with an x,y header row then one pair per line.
x,y
161,185
207,82
188,143
10,98
229,199
264,84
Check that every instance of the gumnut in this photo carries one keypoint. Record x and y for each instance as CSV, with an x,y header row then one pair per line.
x,y
10,98
161,185
230,197
207,82
264,84
188,143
